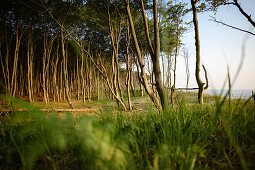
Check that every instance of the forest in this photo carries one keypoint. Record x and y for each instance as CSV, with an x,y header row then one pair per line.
x,y
91,84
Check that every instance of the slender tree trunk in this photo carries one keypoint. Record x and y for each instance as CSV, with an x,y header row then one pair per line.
x,y
65,70
197,43
30,66
174,83
175,61
78,78
128,76
156,64
48,44
98,83
15,62
140,60
90,82
114,79
44,70
163,66
105,76
55,75
132,77
169,75
5,66
139,78
82,78
115,33
186,59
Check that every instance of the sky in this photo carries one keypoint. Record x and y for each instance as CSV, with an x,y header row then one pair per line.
x,y
221,47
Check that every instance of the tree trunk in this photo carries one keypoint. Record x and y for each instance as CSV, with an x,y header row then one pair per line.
x,y
56,94
61,81
82,76
197,43
132,77
78,78
139,78
65,70
30,56
15,63
140,60
98,83
115,33
155,58
186,59
128,75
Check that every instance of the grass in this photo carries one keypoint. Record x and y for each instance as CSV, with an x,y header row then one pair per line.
x,y
188,136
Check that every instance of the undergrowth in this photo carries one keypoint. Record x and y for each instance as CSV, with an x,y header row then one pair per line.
x,y
212,136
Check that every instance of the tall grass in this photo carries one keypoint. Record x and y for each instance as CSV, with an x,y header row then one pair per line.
x,y
219,136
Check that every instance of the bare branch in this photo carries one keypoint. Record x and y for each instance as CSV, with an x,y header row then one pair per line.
x,y
206,78
220,22
244,13
194,88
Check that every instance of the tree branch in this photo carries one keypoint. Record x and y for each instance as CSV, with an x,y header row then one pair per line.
x,y
244,13
206,78
239,29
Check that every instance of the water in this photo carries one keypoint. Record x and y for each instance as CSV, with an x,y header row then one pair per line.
x,y
235,93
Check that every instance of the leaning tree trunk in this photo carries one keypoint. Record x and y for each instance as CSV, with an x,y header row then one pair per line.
x,y
13,86
140,60
105,76
5,65
139,78
115,34
55,65
65,70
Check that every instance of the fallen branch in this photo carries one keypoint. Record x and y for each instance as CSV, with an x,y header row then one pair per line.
x,y
56,110
195,88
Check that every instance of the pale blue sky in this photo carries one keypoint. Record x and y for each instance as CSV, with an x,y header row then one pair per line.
x,y
222,46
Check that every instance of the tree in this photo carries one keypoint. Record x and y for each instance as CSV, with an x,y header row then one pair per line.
x,y
186,59
155,59
200,84
175,21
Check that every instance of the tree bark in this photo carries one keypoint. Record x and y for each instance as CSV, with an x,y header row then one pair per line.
x,y
56,94
78,78
132,77
65,70
197,43
30,57
128,75
155,58
186,59
13,86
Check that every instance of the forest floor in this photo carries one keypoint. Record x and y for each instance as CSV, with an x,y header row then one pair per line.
x,y
94,107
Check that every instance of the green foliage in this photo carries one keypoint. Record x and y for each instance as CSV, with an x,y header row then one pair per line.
x,y
219,136
173,25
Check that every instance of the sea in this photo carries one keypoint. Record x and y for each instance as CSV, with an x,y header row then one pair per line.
x,y
235,93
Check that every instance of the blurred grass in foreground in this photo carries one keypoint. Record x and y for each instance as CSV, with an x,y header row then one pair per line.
x,y
212,136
